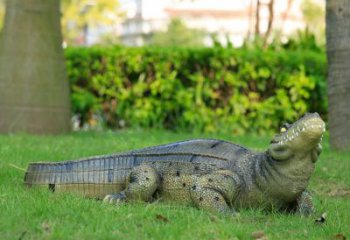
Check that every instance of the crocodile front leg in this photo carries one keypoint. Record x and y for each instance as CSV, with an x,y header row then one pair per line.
x,y
215,192
142,182
304,205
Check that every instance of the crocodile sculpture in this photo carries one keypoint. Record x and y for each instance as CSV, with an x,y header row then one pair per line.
x,y
211,174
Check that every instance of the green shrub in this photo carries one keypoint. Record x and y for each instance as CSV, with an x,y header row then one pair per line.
x,y
196,89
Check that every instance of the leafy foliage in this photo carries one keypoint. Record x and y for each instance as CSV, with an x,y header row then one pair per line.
x,y
78,14
178,34
313,13
314,17
304,40
201,89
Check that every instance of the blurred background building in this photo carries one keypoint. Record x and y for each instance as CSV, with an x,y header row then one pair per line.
x,y
138,22
227,19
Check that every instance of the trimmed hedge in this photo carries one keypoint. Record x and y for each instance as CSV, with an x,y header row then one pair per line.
x,y
205,89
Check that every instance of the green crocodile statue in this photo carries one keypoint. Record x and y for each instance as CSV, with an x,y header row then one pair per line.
x,y
211,174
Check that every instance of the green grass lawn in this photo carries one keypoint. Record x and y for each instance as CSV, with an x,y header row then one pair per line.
x,y
40,214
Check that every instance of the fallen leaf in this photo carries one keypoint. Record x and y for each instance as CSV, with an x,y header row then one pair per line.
x,y
213,218
162,218
340,236
139,225
259,235
22,235
46,227
322,219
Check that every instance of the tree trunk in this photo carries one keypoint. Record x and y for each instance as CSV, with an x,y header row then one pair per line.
x,y
270,6
34,91
338,53
257,18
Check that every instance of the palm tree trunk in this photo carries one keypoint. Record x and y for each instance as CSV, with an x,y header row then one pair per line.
x,y
34,91
338,53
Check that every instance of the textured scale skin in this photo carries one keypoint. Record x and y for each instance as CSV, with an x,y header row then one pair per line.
x,y
211,174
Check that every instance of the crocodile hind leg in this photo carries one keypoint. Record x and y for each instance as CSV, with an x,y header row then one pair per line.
x,y
141,184
215,192
304,205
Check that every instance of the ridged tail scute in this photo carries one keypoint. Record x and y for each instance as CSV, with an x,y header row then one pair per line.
x,y
94,177
38,174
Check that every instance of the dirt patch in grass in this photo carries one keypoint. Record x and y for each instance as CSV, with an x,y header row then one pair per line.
x,y
331,188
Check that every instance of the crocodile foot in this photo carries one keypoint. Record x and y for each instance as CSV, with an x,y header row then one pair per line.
x,y
305,206
115,198
141,184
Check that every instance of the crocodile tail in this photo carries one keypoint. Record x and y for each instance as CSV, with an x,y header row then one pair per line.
x,y
41,174
93,177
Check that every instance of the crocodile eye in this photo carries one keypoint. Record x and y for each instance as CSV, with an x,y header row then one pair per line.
x,y
285,127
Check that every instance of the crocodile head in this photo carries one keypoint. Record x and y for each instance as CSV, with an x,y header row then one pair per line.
x,y
299,140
